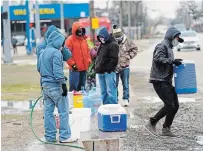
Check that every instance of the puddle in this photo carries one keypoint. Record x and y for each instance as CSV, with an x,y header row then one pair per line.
x,y
21,105
199,140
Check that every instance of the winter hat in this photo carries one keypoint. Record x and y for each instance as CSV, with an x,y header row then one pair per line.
x,y
117,32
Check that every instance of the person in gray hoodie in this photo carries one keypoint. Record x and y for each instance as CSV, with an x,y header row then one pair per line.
x,y
161,77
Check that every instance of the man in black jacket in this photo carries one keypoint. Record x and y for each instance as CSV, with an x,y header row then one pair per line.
x,y
106,62
161,78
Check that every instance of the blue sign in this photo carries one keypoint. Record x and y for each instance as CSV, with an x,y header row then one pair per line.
x,y
50,11
18,12
76,10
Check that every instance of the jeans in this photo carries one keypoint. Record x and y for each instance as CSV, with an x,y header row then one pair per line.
x,y
77,79
52,98
167,94
108,88
124,75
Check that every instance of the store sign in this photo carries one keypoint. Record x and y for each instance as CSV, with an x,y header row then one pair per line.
x,y
50,11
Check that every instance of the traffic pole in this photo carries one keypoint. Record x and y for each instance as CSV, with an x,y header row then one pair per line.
x,y
121,14
62,18
91,9
28,46
7,34
129,19
37,22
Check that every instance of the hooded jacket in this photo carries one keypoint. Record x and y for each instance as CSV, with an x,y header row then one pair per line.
x,y
79,49
40,47
50,64
127,51
163,57
107,55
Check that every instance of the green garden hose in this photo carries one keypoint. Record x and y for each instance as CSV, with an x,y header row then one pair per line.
x,y
58,144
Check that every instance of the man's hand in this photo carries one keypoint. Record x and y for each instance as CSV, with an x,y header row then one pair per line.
x,y
177,62
65,91
74,67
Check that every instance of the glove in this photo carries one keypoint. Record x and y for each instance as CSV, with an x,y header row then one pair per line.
x,y
65,78
74,67
65,91
177,62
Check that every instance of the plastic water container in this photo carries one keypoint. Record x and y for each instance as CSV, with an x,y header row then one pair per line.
x,y
75,124
92,100
185,78
112,118
77,100
84,115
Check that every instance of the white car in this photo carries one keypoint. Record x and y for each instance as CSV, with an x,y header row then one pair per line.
x,y
191,40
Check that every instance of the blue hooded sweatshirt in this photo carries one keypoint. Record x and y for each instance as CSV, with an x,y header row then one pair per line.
x,y
40,48
50,63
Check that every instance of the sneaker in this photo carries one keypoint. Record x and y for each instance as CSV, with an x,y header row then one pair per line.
x,y
167,132
125,103
151,128
69,140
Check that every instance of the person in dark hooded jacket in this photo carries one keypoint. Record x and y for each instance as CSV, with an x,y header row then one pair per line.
x,y
161,77
105,66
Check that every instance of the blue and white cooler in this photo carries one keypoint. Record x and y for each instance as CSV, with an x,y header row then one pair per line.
x,y
185,78
112,118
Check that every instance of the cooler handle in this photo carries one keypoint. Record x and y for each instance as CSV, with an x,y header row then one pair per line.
x,y
116,121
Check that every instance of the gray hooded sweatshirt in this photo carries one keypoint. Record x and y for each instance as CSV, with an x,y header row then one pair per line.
x,y
163,57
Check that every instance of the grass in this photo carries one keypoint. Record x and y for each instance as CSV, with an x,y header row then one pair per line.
x,y
19,83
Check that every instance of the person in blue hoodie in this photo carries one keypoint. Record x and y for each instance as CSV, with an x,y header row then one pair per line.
x,y
41,46
105,66
50,67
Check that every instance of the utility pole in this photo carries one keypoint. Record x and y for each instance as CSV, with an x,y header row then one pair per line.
x,y
129,19
91,2
62,18
7,34
121,14
37,22
28,47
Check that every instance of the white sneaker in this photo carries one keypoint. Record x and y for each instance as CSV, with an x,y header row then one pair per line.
x,y
125,103
69,140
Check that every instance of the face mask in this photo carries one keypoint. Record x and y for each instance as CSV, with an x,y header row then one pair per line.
x,y
80,32
119,39
175,42
102,40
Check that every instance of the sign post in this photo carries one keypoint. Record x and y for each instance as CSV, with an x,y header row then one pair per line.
x,y
7,34
28,45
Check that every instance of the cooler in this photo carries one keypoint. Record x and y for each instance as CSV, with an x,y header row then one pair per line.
x,y
112,118
185,78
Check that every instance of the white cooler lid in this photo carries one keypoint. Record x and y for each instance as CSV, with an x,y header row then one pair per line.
x,y
111,109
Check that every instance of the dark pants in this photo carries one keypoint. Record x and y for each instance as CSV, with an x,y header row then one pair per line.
x,y
167,94
77,80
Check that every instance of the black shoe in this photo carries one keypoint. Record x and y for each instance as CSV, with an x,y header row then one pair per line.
x,y
167,132
151,128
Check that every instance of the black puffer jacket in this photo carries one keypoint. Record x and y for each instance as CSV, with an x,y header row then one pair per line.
x,y
163,57
107,55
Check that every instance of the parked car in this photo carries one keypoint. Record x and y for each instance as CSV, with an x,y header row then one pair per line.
x,y
191,40
180,27
20,40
